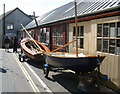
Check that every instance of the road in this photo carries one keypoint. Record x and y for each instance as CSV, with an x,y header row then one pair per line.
x,y
15,78
28,77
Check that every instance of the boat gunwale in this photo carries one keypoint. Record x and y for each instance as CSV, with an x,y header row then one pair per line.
x,y
86,56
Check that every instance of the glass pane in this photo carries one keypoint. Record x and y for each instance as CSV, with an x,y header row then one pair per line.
x,y
112,46
54,40
81,31
118,29
43,37
81,42
118,47
74,31
99,33
112,30
47,37
74,43
44,30
31,33
9,26
60,41
105,45
105,30
118,43
54,32
41,30
99,45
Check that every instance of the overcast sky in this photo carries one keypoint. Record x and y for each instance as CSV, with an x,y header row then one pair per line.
x,y
28,6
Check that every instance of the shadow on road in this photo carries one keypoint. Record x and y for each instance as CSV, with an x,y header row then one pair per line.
x,y
3,70
70,82
36,64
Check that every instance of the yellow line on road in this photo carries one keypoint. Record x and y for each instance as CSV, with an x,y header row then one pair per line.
x,y
34,87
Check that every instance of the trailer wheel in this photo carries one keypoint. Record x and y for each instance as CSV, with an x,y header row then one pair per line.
x,y
23,58
46,70
20,57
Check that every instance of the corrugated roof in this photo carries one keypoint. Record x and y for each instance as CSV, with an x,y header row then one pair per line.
x,y
67,11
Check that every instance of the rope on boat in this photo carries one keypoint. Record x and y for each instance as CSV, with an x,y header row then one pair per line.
x,y
64,46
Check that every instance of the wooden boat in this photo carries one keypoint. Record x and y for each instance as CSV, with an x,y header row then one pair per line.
x,y
31,50
82,63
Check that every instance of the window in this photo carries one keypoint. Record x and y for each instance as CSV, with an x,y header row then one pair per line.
x,y
99,45
112,46
47,36
80,36
81,42
108,37
112,30
118,29
43,35
99,34
105,45
81,31
31,33
105,29
10,26
118,47
57,36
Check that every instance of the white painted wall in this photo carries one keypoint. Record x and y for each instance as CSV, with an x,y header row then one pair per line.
x,y
111,64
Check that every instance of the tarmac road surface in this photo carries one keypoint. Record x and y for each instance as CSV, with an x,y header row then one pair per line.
x,y
13,79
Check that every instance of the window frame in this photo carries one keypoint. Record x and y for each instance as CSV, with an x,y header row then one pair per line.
x,y
57,36
80,36
109,38
10,26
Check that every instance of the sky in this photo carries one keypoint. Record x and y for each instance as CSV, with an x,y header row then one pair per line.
x,y
40,7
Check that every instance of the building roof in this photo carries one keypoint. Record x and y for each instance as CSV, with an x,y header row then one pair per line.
x,y
84,7
9,12
2,16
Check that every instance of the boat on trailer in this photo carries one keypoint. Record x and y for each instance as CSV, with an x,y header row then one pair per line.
x,y
79,64
30,49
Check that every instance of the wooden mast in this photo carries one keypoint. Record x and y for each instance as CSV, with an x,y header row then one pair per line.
x,y
76,24
35,20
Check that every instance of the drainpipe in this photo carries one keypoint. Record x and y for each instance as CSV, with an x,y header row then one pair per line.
x,y
3,26
4,20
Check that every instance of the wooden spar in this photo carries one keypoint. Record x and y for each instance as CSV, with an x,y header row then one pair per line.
x,y
35,19
64,46
76,28
31,37
36,24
